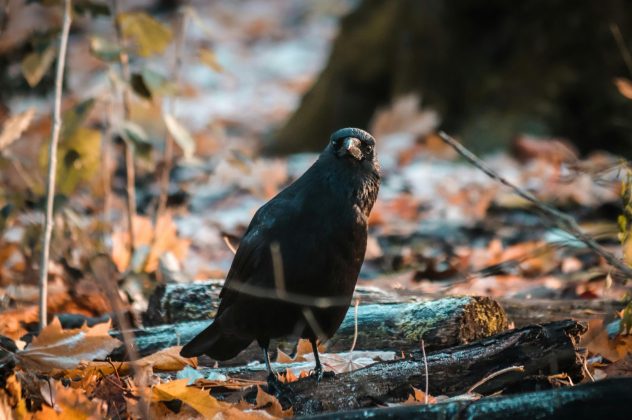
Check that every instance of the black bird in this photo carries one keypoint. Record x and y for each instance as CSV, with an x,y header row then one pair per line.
x,y
297,265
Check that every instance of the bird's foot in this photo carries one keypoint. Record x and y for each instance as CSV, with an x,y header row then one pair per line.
x,y
318,373
275,387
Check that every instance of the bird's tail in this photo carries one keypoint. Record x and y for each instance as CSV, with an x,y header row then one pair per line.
x,y
215,343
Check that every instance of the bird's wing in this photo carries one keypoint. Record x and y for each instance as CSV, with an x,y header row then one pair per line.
x,y
254,255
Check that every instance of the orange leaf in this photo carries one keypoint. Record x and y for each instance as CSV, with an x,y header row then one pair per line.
x,y
271,404
55,348
625,86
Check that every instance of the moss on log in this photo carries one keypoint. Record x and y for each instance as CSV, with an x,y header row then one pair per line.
x,y
441,323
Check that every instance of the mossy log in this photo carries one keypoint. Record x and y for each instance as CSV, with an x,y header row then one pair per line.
x,y
542,350
441,323
607,399
180,302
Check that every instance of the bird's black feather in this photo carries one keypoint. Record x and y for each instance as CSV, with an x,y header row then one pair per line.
x,y
318,225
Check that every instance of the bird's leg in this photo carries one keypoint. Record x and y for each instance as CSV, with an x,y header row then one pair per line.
x,y
272,376
318,369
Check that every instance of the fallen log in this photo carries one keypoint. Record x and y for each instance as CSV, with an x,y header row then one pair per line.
x,y
607,399
441,323
542,350
180,302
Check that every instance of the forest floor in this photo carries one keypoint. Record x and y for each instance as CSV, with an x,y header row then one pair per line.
x,y
440,227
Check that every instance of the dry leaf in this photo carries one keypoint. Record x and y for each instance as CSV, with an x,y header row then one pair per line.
x,y
68,403
55,348
14,127
271,404
196,398
162,238
168,359
208,57
596,340
625,86
418,396
180,135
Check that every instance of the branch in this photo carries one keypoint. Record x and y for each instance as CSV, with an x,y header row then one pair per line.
x,y
130,173
52,165
561,220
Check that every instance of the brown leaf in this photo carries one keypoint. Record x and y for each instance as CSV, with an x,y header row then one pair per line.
x,y
271,404
14,127
418,396
55,348
168,359
68,403
625,86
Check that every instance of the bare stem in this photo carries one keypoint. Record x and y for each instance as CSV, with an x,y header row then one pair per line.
x,y
423,351
562,220
168,152
52,165
495,374
129,150
625,53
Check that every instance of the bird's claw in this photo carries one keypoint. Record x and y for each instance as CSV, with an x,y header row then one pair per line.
x,y
319,374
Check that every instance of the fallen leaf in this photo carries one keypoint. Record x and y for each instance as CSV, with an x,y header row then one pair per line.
x,y
418,396
625,86
68,403
168,359
196,398
14,127
271,404
56,348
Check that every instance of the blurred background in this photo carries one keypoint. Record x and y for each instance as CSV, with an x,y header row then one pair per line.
x,y
181,118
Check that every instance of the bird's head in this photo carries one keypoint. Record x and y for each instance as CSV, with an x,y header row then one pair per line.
x,y
354,144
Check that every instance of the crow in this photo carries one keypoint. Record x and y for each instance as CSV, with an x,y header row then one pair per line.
x,y
298,262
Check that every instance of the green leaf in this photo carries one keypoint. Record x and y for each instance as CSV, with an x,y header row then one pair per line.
x,y
103,49
78,159
157,83
209,58
73,118
151,36
136,135
36,64
180,135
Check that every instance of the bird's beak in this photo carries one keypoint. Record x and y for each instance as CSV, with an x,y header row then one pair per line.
x,y
351,145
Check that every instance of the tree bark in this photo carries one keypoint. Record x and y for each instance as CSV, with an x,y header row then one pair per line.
x,y
543,350
608,399
180,302
441,323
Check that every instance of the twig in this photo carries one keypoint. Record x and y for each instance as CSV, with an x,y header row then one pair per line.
x,y
355,325
423,352
561,220
493,375
229,244
168,152
129,148
52,165
625,53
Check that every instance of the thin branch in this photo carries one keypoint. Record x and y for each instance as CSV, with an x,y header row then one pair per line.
x,y
229,244
52,165
129,148
168,152
423,352
561,220
493,375
623,49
